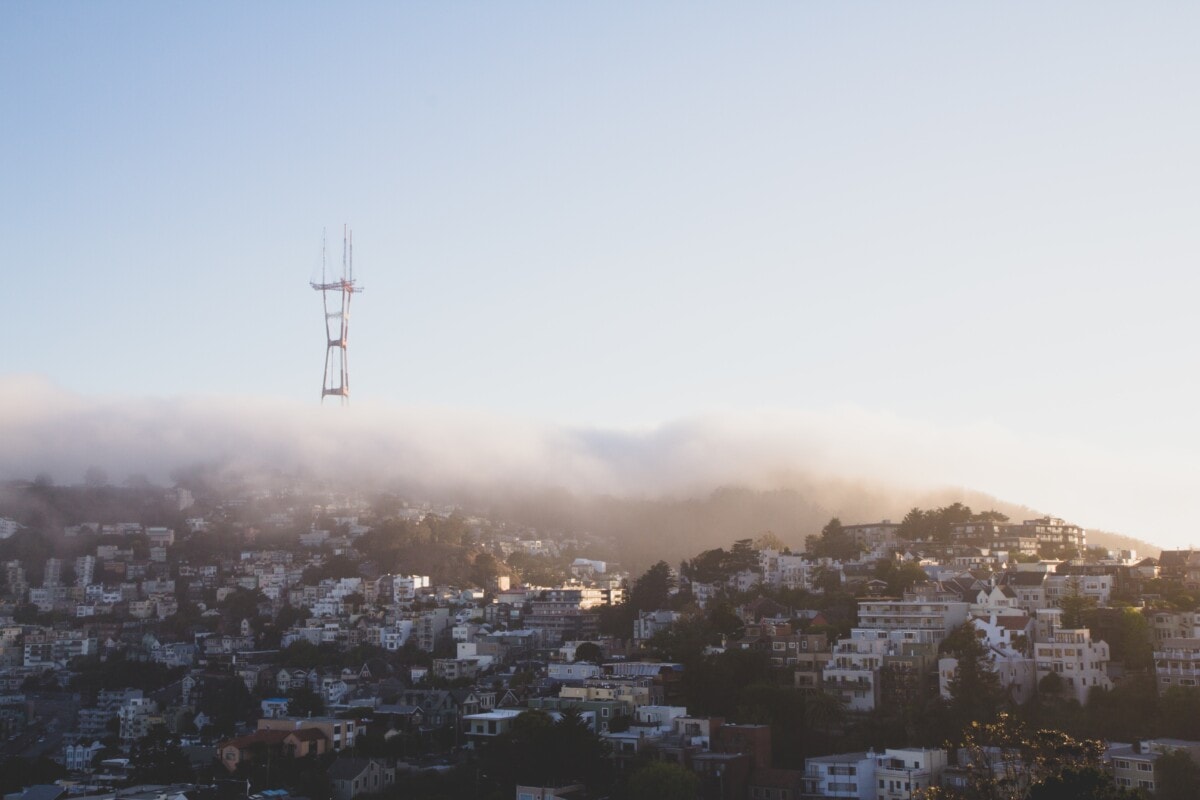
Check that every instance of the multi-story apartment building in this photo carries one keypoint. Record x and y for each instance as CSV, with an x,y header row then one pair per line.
x,y
874,535
1177,663
785,571
137,716
852,672
560,618
905,773
845,775
1135,766
85,570
891,651
429,627
912,620
1174,624
1051,531
813,655
1095,587
1079,662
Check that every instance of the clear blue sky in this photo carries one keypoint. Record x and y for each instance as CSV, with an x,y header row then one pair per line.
x,y
614,214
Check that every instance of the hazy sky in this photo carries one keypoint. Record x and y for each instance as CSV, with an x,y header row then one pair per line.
x,y
943,218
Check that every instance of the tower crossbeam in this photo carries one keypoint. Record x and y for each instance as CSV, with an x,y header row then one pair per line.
x,y
335,296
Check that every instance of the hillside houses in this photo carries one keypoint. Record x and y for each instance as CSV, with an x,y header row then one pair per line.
x,y
305,644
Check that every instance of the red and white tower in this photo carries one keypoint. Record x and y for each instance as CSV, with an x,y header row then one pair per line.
x,y
335,295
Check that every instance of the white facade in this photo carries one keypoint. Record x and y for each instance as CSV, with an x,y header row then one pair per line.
x,y
903,773
852,674
912,620
1079,662
1017,673
1097,587
847,775
1177,663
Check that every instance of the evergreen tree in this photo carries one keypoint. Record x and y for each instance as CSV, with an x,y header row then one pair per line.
x,y
975,692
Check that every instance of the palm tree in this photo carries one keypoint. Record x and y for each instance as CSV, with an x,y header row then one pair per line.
x,y
822,711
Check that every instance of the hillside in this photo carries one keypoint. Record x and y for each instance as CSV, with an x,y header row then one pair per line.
x,y
643,530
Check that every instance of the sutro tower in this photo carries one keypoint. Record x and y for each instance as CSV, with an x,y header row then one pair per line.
x,y
337,321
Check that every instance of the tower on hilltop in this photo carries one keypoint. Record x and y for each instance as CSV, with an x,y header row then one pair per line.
x,y
335,295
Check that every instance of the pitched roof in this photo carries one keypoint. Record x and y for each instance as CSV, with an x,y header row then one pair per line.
x,y
1024,578
43,791
347,769
258,737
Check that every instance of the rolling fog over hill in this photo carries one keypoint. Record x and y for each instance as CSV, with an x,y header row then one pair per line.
x,y
646,529
665,492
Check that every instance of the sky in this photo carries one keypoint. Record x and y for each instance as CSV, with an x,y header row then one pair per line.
x,y
945,242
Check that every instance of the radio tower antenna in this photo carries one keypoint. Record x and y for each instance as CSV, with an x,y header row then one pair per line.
x,y
335,296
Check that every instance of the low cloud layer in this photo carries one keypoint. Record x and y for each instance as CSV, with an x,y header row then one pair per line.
x,y
44,428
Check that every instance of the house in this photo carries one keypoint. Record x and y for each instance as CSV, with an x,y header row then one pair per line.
x,y
353,777
262,743
274,707
340,733
491,724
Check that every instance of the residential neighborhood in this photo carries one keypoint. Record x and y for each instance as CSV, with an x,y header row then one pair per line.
x,y
304,653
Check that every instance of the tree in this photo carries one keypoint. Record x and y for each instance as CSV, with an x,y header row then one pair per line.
x,y
652,591
590,652
833,542
975,692
484,570
1180,716
1004,760
1082,783
1176,776
742,556
289,616
661,780
1051,685
539,751
938,524
156,758
769,541
334,568
1074,604
708,567
900,577
243,603
823,712
304,702
827,580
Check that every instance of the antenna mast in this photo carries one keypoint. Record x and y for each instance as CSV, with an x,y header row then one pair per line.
x,y
336,381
